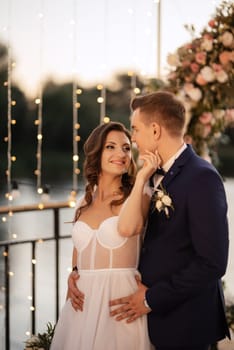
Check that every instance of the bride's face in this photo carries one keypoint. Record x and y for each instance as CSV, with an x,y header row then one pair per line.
x,y
116,155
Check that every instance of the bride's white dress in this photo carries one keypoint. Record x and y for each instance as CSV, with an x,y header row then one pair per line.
x,y
107,266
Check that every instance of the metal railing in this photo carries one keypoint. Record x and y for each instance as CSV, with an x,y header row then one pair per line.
x,y
55,207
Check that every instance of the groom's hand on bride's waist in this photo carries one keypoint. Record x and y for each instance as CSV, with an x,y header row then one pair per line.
x,y
130,307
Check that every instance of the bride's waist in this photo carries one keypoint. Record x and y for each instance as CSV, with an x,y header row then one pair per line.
x,y
108,270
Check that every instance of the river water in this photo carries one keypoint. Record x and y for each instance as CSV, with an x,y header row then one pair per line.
x,y
40,225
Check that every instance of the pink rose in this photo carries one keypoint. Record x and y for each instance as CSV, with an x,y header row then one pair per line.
x,y
186,64
224,57
200,57
205,118
194,67
217,67
200,80
212,23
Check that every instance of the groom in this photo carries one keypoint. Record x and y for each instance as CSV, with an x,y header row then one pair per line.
x,y
184,254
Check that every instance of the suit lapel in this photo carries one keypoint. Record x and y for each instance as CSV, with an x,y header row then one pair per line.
x,y
178,165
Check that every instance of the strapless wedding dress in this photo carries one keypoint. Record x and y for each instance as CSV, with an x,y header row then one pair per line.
x,y
107,266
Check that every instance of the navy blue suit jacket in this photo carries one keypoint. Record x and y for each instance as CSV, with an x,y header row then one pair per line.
x,y
184,256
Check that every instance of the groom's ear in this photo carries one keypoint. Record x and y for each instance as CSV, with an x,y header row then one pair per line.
x,y
156,130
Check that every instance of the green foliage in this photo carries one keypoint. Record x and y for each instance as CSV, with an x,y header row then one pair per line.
x,y
41,341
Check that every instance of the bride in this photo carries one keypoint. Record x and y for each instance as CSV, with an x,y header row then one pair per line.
x,y
106,261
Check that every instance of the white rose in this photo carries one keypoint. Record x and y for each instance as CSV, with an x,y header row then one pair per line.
x,y
158,205
207,45
166,200
173,60
221,76
226,39
208,74
195,94
160,194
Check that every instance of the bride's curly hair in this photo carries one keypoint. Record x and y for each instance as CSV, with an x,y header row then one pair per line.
x,y
93,148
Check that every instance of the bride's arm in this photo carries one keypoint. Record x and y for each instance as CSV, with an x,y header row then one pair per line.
x,y
133,213
73,275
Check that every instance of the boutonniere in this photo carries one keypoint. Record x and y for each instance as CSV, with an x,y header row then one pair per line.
x,y
162,201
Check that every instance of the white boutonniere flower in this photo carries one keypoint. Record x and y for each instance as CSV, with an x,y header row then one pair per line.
x,y
162,201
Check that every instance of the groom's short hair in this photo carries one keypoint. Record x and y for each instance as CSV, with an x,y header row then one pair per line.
x,y
162,107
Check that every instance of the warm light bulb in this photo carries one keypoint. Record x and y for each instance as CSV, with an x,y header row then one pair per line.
x,y
40,190
77,138
78,91
37,101
100,99
137,90
75,158
106,119
99,87
39,136
77,126
13,121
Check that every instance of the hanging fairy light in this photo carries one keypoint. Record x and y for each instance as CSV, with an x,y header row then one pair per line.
x,y
10,123
132,73
101,87
76,92
102,101
39,103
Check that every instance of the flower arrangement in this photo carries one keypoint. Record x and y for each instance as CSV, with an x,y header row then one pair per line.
x,y
162,201
202,76
41,341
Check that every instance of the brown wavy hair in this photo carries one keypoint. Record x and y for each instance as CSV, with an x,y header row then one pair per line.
x,y
93,148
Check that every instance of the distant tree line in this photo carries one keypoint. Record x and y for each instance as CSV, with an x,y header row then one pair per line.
x,y
57,123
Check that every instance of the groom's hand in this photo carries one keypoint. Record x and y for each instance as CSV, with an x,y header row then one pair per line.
x,y
130,307
74,294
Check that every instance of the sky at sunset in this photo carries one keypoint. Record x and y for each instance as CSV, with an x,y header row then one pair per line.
x,y
92,40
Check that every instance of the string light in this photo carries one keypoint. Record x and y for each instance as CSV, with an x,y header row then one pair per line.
x,y
76,92
39,102
10,195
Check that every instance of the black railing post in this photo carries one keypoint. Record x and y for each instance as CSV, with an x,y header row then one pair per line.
x,y
7,298
33,306
56,237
